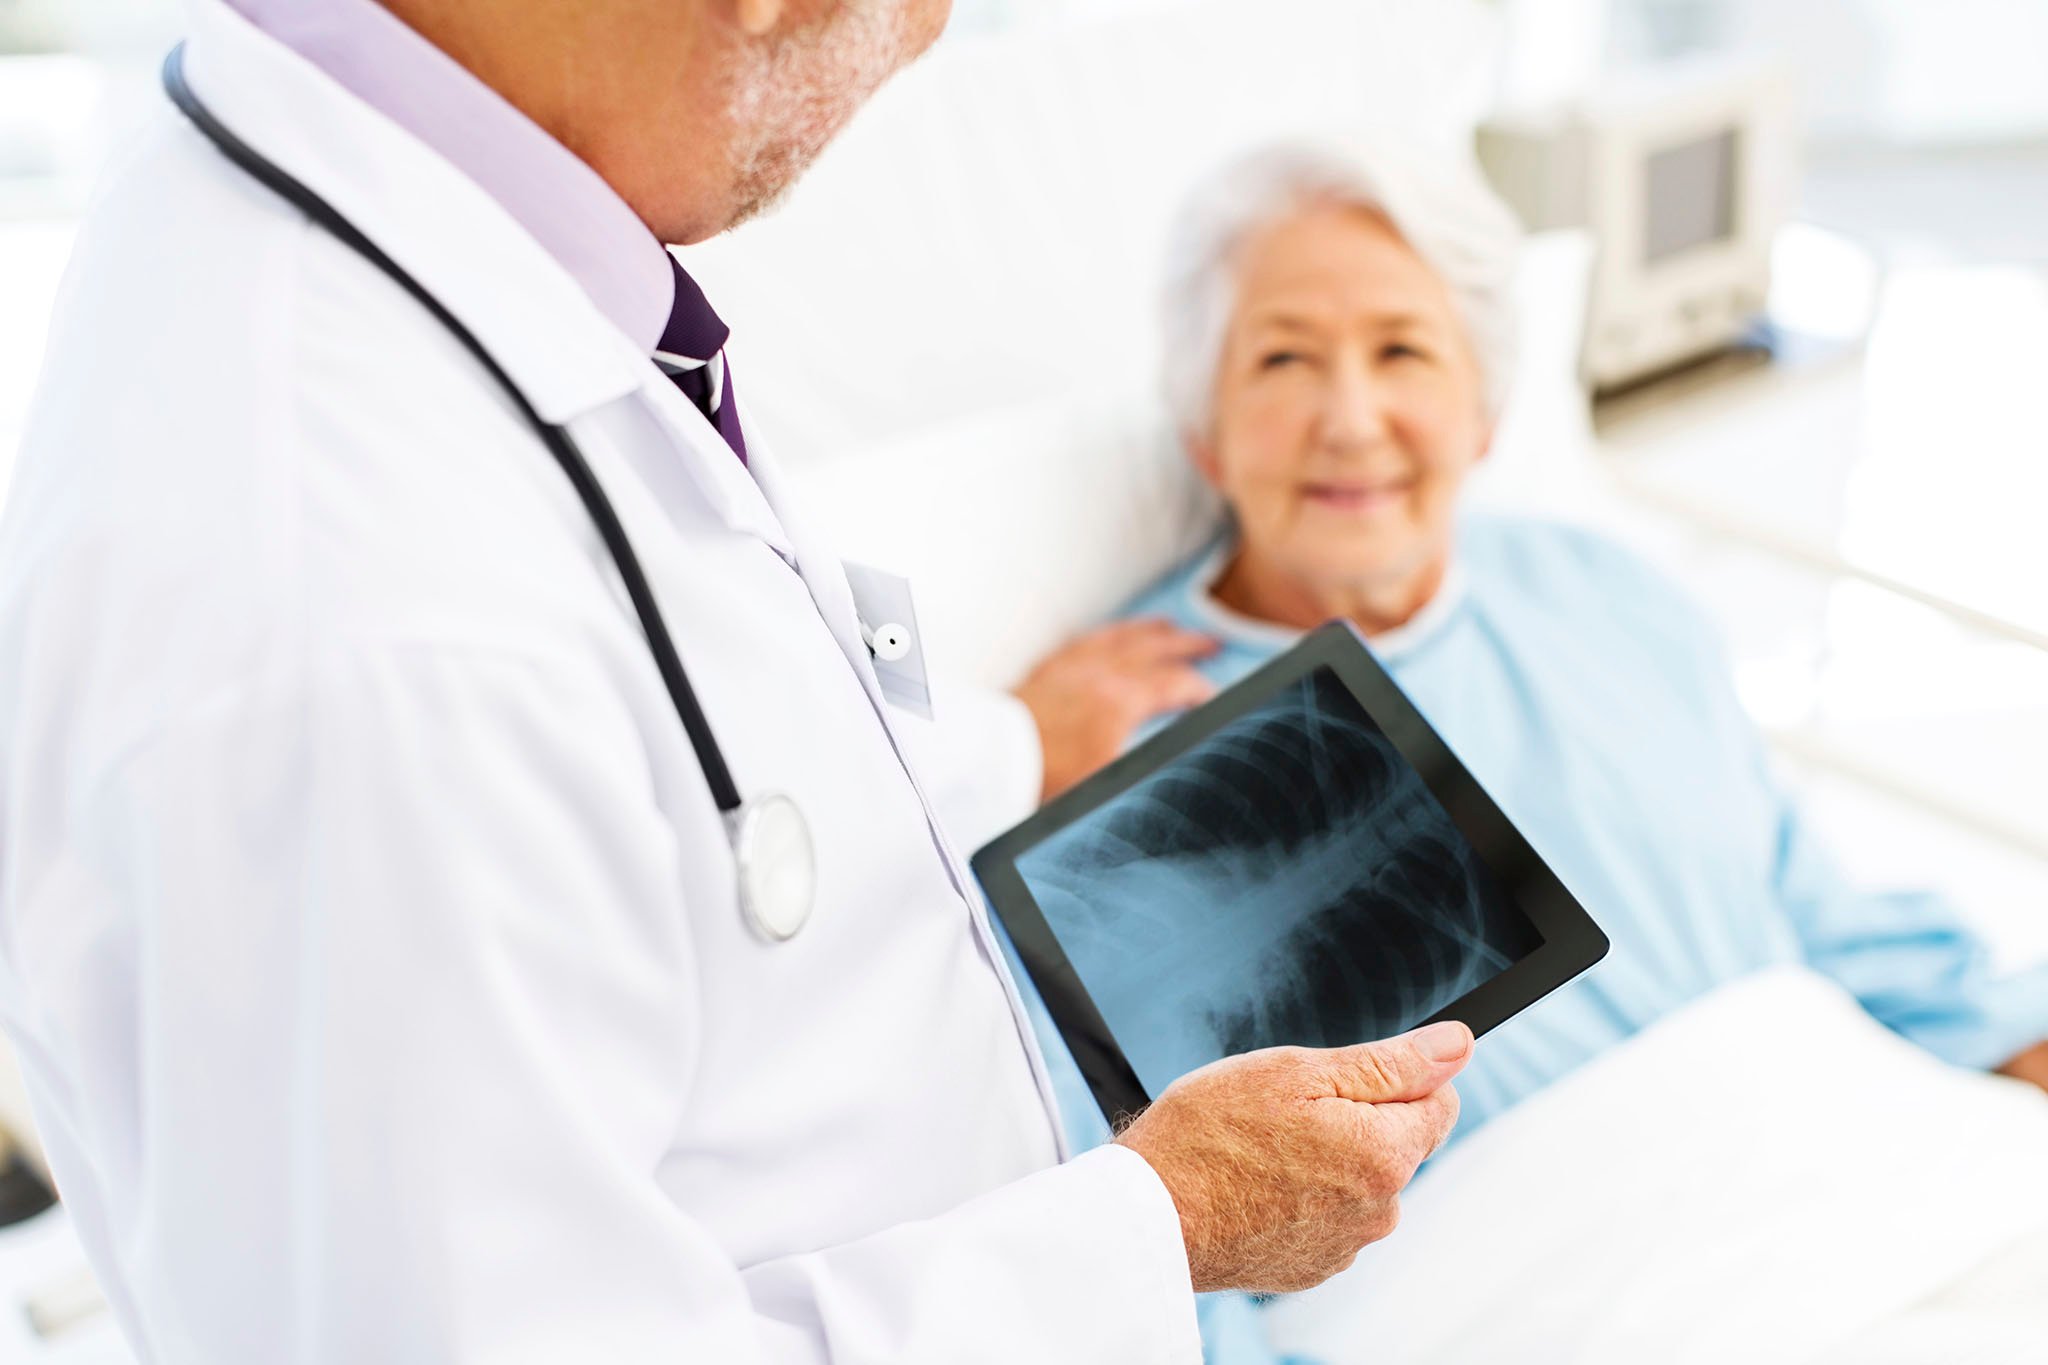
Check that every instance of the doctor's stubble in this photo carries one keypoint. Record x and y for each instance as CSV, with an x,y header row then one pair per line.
x,y
798,90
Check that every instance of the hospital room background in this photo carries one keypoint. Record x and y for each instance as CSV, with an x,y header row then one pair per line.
x,y
1828,426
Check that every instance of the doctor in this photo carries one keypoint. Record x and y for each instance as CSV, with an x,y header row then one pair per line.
x,y
460,899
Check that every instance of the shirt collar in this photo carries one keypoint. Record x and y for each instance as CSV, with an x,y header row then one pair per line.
x,y
440,226
551,192
1237,628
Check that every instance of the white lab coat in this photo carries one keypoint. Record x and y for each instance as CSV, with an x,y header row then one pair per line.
x,y
366,927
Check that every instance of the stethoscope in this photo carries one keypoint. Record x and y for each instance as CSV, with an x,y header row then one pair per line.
x,y
771,840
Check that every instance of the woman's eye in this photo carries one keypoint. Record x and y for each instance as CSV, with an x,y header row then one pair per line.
x,y
1401,350
1274,360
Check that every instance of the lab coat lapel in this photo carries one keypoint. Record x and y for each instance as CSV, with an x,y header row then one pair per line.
x,y
727,486
753,500
822,571
824,575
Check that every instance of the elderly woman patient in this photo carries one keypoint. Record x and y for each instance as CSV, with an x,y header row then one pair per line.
x,y
1338,338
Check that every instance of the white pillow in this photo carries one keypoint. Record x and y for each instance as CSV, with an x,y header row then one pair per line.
x,y
1016,527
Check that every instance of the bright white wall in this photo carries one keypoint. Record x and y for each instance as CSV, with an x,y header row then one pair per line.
x,y
986,16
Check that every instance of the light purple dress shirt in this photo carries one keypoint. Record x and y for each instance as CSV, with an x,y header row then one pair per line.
x,y
550,191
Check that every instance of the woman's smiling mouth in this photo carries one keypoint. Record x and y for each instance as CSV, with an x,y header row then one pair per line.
x,y
1356,498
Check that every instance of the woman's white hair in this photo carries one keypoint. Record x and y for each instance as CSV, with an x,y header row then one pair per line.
x,y
1438,205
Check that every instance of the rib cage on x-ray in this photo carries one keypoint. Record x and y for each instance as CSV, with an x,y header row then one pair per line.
x,y
1289,880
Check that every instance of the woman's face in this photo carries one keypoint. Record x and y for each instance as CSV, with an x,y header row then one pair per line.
x,y
1348,407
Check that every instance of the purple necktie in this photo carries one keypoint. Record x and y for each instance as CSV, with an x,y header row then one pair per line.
x,y
695,332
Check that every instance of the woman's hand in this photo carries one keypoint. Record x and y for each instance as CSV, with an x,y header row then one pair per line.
x,y
2031,1066
1091,696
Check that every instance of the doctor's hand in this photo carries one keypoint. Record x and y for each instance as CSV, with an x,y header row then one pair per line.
x,y
1094,693
1283,1163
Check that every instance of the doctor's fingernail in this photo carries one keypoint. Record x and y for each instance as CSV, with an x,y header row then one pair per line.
x,y
1444,1042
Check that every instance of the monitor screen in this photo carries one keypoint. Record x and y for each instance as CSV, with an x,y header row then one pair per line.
x,y
1690,195
1290,879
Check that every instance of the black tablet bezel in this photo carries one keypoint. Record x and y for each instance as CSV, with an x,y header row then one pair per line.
x,y
1571,941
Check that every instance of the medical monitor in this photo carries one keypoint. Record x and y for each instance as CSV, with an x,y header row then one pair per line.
x,y
1301,861
1689,194
1683,176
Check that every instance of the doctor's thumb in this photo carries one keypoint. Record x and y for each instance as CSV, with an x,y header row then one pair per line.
x,y
1411,1067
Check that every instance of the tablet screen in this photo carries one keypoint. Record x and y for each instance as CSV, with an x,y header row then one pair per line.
x,y
1289,879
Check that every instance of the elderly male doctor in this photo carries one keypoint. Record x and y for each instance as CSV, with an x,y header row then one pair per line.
x,y
391,985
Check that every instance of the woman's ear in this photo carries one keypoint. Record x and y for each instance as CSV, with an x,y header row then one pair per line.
x,y
1486,435
1202,455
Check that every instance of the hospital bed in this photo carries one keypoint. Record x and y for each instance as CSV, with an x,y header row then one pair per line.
x,y
1004,447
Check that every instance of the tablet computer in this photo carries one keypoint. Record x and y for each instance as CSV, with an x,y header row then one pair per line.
x,y
1302,861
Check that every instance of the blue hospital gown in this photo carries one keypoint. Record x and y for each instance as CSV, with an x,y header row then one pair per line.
x,y
1594,703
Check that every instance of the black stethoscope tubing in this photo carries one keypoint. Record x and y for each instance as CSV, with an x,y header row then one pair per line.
x,y
559,443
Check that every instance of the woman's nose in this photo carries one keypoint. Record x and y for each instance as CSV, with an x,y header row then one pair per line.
x,y
1354,412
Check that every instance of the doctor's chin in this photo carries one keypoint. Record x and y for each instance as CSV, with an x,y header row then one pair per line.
x,y
897,682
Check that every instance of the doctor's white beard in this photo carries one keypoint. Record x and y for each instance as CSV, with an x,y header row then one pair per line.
x,y
803,90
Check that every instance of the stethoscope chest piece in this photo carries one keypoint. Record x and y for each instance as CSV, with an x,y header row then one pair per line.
x,y
778,868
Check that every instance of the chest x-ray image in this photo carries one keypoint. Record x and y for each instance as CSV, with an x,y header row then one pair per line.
x,y
1289,880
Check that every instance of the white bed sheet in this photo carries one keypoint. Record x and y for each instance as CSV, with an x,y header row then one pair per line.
x,y
1762,1176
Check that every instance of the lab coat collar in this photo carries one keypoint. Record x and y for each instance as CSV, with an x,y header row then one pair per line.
x,y
443,228
565,355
